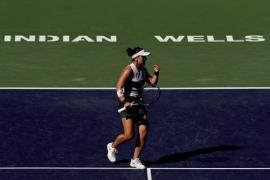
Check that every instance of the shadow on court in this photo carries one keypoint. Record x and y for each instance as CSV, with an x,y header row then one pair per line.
x,y
183,156
172,158
201,128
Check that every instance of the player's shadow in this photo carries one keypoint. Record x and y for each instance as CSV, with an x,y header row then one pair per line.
x,y
176,157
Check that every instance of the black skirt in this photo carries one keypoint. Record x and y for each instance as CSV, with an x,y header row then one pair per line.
x,y
136,111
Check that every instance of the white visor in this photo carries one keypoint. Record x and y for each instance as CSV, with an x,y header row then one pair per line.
x,y
141,53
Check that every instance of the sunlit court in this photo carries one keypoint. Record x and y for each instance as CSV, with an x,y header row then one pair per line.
x,y
145,90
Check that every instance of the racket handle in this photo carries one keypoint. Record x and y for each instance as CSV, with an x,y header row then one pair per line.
x,y
122,109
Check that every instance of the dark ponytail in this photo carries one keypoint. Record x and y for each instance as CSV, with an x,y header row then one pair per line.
x,y
131,52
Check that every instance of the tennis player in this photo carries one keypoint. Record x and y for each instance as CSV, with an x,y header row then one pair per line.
x,y
129,89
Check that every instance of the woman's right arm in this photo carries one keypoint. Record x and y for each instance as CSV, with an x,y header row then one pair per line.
x,y
120,83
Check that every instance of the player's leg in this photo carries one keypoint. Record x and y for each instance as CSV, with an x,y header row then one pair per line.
x,y
128,133
121,138
143,132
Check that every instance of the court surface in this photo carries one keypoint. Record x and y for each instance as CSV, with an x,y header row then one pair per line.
x,y
184,64
206,133
57,114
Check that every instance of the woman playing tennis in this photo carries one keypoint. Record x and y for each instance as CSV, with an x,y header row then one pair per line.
x,y
129,91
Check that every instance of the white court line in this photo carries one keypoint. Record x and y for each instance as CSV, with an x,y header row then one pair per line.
x,y
112,88
66,168
255,168
149,170
149,174
130,168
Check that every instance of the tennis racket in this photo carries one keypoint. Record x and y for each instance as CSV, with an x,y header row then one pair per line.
x,y
150,95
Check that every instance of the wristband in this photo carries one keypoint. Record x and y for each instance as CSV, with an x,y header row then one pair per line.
x,y
156,73
120,93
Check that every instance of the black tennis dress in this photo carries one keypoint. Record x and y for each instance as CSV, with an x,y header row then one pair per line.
x,y
133,93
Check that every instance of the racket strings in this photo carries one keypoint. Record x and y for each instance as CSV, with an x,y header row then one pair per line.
x,y
151,95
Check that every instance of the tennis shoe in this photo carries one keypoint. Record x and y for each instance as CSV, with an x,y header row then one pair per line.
x,y
136,163
111,153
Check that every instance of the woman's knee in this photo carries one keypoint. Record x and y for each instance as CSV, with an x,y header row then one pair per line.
x,y
128,128
143,131
128,135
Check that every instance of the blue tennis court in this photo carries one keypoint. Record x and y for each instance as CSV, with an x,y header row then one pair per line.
x,y
43,130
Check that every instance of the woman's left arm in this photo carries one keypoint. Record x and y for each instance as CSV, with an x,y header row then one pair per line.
x,y
153,80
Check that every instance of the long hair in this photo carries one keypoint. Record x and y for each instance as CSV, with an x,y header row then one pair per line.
x,y
131,52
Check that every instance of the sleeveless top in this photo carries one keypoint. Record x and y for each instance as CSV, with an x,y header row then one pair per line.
x,y
134,87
